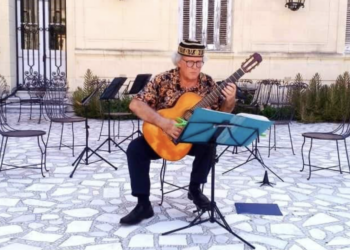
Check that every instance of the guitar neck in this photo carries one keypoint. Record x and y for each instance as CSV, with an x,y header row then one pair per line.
x,y
212,97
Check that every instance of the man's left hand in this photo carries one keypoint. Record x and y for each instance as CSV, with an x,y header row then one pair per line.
x,y
230,92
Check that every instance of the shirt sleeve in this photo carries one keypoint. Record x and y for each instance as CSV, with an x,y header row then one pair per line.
x,y
149,94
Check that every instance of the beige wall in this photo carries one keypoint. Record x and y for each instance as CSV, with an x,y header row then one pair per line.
x,y
8,41
119,37
128,37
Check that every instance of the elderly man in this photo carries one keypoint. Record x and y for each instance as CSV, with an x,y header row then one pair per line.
x,y
160,93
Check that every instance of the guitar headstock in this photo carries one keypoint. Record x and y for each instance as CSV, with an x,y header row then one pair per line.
x,y
253,61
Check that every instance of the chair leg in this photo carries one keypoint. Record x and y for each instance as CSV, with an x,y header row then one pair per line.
x,y
48,135
347,154
2,143
101,130
42,158
291,141
310,160
339,158
73,138
270,140
113,129
3,153
162,176
302,155
20,111
274,137
61,136
30,113
42,140
40,111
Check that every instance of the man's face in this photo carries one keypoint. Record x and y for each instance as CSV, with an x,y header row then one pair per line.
x,y
190,67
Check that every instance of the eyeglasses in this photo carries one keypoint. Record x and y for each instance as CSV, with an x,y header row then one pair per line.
x,y
190,64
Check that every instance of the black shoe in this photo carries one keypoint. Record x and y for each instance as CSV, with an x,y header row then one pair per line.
x,y
198,198
139,213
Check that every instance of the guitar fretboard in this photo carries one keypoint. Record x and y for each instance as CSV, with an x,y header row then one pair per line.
x,y
212,97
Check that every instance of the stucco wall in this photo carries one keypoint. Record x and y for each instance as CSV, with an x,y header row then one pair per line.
x,y
8,41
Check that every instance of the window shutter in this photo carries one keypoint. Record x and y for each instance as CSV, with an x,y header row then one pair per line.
x,y
186,19
223,23
347,34
210,25
199,19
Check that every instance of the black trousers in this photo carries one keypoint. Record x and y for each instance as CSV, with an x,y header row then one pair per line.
x,y
140,154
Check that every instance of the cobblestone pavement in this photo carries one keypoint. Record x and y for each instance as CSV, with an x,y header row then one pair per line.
x,y
83,212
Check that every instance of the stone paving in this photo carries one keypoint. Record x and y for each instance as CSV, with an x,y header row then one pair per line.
x,y
83,212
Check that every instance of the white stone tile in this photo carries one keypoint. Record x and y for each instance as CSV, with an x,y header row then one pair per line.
x,y
111,193
41,237
35,225
317,234
104,227
8,230
339,241
141,240
200,239
17,246
225,247
309,244
8,202
174,213
109,218
93,183
253,192
24,218
40,187
50,217
124,231
64,191
113,246
319,219
81,212
79,227
165,226
39,203
244,226
77,241
285,229
334,229
173,240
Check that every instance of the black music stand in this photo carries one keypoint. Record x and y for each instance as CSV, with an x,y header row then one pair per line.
x,y
110,94
85,102
140,82
255,155
214,128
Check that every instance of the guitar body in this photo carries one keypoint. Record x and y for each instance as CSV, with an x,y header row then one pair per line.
x,y
159,141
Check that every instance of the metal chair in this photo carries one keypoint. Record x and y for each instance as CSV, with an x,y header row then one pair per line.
x,y
35,86
283,109
7,132
55,103
341,133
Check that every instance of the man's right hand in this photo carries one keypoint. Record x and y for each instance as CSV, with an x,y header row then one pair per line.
x,y
168,126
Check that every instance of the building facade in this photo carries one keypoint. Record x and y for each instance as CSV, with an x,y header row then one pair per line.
x,y
129,37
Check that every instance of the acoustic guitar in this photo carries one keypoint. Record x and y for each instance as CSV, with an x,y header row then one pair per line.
x,y
163,144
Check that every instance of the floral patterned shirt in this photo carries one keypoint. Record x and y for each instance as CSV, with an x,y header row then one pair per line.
x,y
164,90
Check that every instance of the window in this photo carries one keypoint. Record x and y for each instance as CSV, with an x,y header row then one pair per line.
x,y
347,34
30,25
208,21
57,26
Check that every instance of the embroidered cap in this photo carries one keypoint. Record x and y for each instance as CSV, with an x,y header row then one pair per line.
x,y
191,48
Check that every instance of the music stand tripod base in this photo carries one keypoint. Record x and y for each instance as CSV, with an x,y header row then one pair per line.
x,y
207,128
85,102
